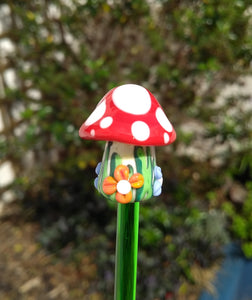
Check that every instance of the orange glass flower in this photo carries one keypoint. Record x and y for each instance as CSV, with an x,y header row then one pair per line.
x,y
121,184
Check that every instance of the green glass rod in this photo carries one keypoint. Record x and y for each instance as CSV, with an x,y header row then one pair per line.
x,y
126,251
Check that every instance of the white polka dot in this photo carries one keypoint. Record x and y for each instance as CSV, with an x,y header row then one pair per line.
x,y
123,187
97,114
132,98
162,119
166,138
106,122
140,131
92,132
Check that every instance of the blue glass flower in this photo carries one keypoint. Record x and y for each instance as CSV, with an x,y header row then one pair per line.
x,y
158,181
97,171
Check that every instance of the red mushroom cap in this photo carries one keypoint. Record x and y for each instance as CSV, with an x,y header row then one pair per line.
x,y
129,114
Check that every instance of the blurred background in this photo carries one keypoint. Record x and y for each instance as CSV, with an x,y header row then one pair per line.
x,y
57,60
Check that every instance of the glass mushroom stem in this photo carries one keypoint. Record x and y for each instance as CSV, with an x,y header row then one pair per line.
x,y
128,173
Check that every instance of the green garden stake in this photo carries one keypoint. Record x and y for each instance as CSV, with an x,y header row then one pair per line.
x,y
132,122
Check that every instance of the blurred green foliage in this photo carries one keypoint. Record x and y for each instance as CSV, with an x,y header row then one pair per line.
x,y
68,54
241,222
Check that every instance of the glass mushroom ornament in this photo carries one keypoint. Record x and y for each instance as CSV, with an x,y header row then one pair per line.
x,y
132,122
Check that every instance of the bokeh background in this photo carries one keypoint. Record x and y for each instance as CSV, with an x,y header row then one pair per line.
x,y
57,60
